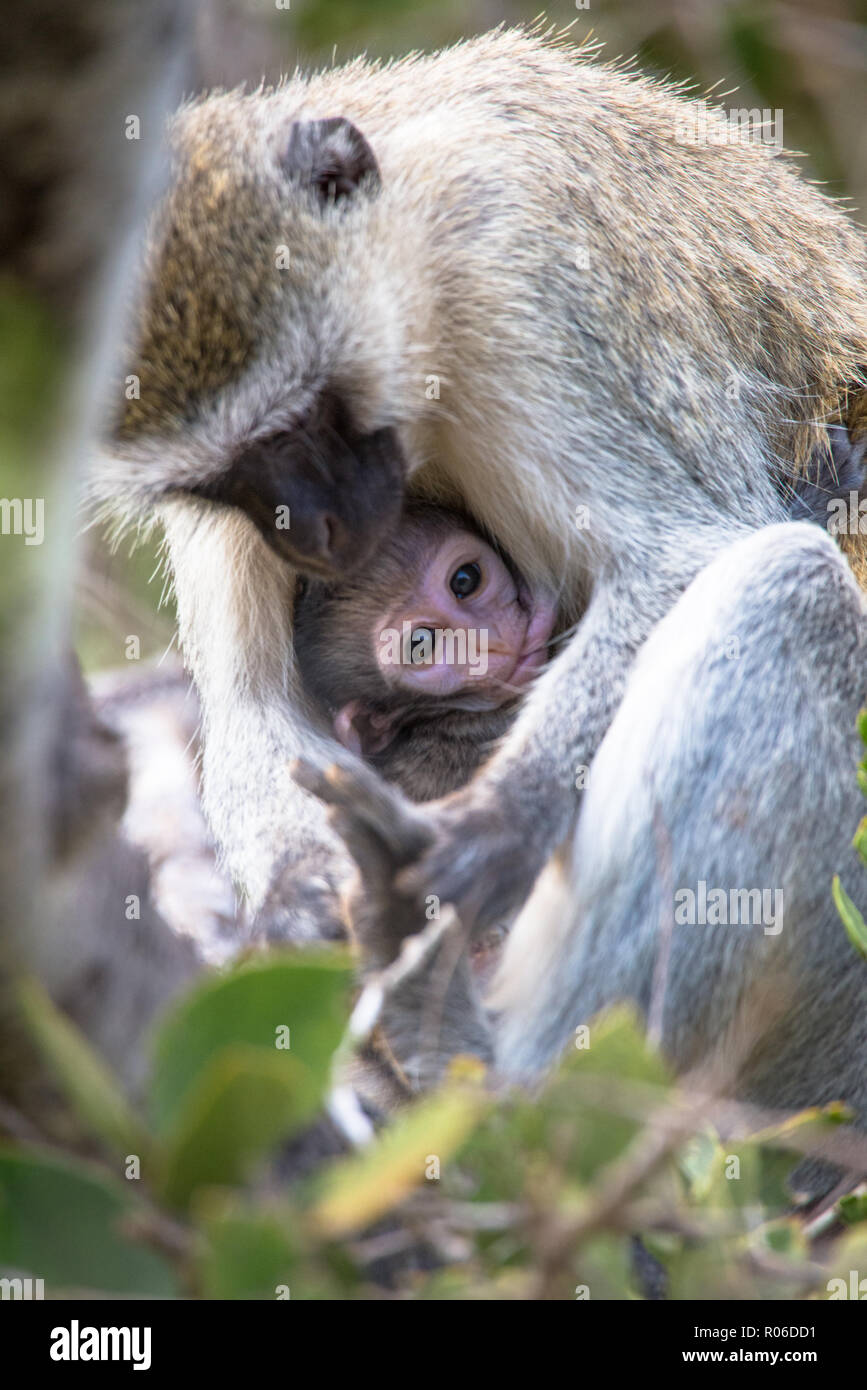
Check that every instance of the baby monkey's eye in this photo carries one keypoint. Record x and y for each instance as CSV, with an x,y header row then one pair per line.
x,y
421,643
466,580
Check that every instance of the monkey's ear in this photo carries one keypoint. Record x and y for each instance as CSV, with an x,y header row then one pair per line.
x,y
361,730
331,156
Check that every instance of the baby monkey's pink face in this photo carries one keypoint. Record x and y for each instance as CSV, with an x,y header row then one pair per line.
x,y
469,626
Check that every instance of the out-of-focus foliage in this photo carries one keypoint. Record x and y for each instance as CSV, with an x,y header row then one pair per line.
x,y
463,1196
67,1221
853,921
28,373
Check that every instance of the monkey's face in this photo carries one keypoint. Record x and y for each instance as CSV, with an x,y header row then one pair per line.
x,y
321,494
469,626
261,372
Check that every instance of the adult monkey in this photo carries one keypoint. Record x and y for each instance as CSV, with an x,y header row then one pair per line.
x,y
326,248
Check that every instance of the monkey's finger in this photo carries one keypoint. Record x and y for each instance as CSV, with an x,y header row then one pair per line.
x,y
381,919
311,779
364,796
368,850
362,838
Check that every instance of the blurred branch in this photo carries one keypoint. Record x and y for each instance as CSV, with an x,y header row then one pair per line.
x,y
74,194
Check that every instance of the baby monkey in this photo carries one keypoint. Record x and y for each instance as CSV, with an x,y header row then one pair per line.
x,y
419,661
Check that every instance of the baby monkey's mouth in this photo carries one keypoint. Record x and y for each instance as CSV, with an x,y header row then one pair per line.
x,y
541,612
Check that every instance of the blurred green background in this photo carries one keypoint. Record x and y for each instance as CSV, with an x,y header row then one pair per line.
x,y
806,57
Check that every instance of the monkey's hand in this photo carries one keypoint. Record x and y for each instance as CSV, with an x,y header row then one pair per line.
x,y
384,833
483,857
468,850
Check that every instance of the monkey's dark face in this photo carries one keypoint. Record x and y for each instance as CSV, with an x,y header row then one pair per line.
x,y
321,494
254,351
323,491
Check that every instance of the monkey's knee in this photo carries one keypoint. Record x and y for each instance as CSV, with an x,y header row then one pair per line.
x,y
791,572
776,617
796,562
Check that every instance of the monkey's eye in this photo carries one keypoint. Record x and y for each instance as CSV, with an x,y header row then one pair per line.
x,y
466,580
421,643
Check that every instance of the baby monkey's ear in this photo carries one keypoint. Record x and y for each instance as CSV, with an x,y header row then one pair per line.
x,y
331,156
362,730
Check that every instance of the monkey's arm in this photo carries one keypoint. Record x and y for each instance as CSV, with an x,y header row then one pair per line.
x,y
274,837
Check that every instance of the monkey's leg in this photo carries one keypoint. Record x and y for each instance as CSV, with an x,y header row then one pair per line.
x,y
720,805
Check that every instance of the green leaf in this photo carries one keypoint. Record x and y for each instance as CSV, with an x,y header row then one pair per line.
x,y
701,1161
784,1236
358,1191
856,927
604,1266
588,1113
496,1155
711,1270
305,993
862,725
245,1254
244,1102
764,1169
778,1149
853,1208
728,1196
91,1086
62,1222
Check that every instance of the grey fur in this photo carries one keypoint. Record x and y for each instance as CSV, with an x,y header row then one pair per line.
x,y
748,765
